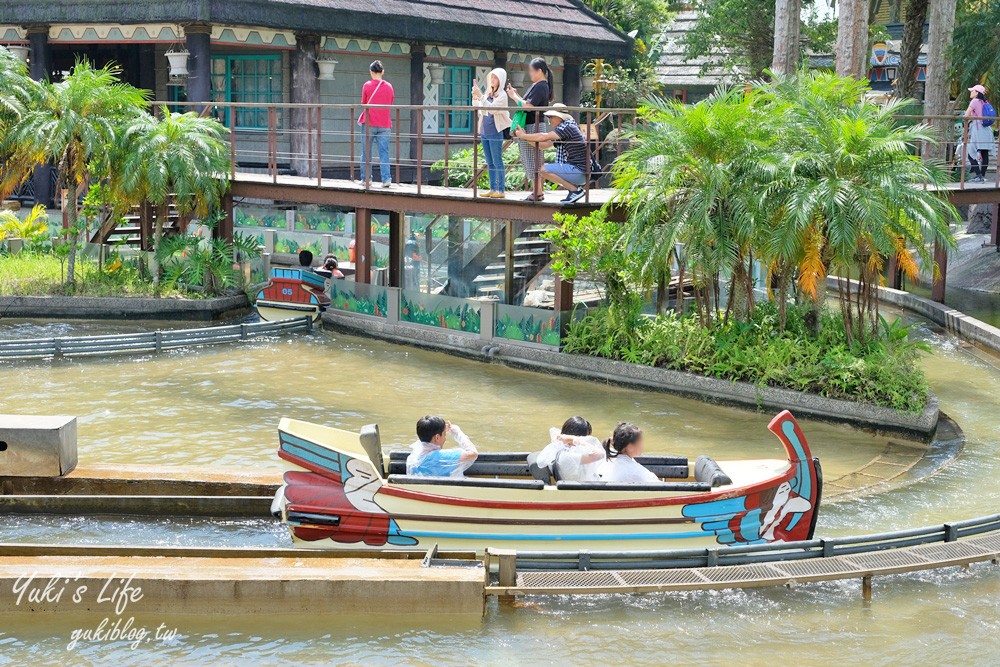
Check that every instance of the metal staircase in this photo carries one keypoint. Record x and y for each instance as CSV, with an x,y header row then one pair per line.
x,y
135,228
532,254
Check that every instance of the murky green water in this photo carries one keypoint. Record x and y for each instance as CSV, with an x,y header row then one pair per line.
x,y
221,406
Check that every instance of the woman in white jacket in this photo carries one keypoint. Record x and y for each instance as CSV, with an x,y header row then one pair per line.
x,y
494,119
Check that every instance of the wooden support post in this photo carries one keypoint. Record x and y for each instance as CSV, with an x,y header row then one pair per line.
x,y
507,570
564,303
941,259
456,257
866,588
994,239
508,273
225,228
893,273
396,239
363,245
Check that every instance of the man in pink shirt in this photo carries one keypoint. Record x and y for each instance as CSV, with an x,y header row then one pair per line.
x,y
376,123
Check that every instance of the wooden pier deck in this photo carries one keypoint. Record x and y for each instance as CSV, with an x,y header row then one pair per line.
x,y
432,199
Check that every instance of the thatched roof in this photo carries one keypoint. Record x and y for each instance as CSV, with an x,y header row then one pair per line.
x,y
564,27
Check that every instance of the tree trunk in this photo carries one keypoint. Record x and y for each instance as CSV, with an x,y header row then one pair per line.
x,y
787,21
938,85
852,39
154,263
913,37
71,220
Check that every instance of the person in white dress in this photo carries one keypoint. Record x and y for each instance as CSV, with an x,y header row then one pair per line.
x,y
573,453
621,450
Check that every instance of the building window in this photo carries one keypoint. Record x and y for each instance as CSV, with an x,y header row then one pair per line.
x,y
247,78
456,91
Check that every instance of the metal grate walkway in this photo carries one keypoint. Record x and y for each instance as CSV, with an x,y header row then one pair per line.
x,y
863,566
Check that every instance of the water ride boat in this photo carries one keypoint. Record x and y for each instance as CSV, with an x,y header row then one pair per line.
x,y
292,292
340,494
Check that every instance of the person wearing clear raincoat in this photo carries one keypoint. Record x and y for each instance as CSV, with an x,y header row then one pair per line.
x,y
573,454
428,458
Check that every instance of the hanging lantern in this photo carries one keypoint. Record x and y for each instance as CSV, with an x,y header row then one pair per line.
x,y
437,74
19,50
517,78
178,63
326,68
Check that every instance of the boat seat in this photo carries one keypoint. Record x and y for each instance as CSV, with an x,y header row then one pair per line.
x,y
708,471
690,487
530,484
670,472
492,457
663,461
479,468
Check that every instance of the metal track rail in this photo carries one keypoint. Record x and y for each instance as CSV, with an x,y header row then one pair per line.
x,y
150,341
548,573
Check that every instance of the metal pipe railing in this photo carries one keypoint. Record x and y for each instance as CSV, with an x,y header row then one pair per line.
x,y
761,553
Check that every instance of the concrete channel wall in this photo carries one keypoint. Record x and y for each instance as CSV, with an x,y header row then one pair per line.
x,y
869,417
955,321
132,308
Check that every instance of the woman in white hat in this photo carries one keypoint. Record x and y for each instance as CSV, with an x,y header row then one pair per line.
x,y
494,121
980,137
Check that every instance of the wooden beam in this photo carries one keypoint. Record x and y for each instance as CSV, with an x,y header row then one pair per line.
x,y
363,245
396,200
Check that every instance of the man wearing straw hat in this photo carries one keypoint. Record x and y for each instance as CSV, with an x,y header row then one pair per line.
x,y
570,168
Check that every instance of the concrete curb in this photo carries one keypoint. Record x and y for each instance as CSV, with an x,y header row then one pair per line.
x,y
110,308
955,321
740,394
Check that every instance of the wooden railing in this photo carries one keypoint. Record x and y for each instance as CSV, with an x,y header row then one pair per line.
x,y
325,143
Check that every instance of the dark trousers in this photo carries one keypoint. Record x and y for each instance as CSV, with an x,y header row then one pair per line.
x,y
979,166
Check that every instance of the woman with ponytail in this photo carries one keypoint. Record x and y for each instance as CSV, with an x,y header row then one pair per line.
x,y
621,450
538,95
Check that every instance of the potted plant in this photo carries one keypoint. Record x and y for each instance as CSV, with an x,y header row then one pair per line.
x,y
19,50
436,72
326,67
178,59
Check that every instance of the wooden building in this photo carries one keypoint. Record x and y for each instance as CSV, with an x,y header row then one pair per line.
x,y
266,51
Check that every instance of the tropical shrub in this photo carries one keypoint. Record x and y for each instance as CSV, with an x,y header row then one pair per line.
x,y
881,371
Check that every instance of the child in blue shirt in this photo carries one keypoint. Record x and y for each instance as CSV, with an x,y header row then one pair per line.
x,y
428,459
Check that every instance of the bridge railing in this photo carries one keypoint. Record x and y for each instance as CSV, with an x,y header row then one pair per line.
x,y
149,341
428,144
956,145
744,554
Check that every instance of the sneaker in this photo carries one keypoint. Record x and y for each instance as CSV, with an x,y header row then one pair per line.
x,y
486,194
574,197
387,184
498,195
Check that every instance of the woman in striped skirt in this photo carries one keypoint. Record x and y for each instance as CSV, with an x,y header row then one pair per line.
x,y
538,95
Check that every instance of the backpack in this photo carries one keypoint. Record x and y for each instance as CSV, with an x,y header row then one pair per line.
x,y
988,112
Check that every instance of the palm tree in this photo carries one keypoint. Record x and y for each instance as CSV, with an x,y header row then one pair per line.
x,y
16,93
977,60
16,87
852,191
180,156
692,179
71,123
